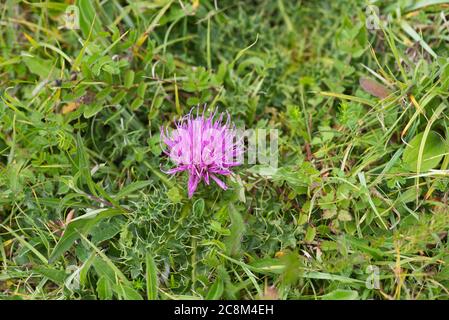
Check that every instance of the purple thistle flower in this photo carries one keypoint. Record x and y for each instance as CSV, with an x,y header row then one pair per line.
x,y
205,147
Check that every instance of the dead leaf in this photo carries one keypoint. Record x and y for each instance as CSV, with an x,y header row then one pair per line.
x,y
374,88
70,107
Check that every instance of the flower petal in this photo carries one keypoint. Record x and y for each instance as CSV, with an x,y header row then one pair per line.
x,y
177,169
219,182
193,184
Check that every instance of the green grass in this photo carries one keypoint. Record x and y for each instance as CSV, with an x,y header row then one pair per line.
x,y
362,183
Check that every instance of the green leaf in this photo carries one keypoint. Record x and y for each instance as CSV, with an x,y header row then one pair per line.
x,y
310,234
408,195
415,36
132,187
105,267
129,293
233,242
57,276
129,79
91,110
88,17
269,265
86,267
118,97
174,195
216,226
340,294
105,230
198,207
43,68
104,288
136,103
416,5
434,150
364,246
141,90
216,290
151,274
82,224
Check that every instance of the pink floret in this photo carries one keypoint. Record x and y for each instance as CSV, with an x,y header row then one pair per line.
x,y
203,146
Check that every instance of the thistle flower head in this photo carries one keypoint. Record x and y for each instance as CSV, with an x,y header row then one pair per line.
x,y
205,147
